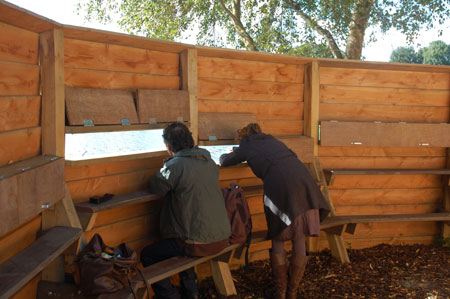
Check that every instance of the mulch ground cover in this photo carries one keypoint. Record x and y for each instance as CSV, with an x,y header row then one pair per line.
x,y
383,271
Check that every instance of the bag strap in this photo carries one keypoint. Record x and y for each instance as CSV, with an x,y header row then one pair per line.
x,y
145,282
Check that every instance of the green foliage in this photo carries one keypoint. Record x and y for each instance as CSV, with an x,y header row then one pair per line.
x,y
444,242
277,26
437,53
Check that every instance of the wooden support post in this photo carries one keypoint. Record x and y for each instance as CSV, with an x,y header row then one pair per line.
x,y
446,202
222,276
311,106
188,65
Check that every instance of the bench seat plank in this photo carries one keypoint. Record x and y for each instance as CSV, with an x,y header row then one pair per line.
x,y
18,270
117,201
342,220
387,171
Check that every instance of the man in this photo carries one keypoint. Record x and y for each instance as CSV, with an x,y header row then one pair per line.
x,y
193,219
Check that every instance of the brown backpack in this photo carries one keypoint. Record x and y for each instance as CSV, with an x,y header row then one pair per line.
x,y
239,216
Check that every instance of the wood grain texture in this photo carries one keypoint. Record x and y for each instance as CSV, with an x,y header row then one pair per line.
x,y
20,269
384,134
25,19
27,185
387,209
110,57
281,127
262,110
220,68
189,82
226,89
118,80
116,184
18,239
386,181
302,146
365,151
19,145
311,107
222,125
51,50
18,79
18,45
29,290
102,106
382,78
384,96
383,162
162,105
19,112
385,196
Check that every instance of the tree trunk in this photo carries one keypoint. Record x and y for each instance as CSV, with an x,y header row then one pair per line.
x,y
358,25
240,29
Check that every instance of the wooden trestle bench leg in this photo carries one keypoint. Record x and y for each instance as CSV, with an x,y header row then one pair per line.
x,y
221,274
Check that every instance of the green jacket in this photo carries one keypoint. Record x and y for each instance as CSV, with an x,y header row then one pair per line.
x,y
194,207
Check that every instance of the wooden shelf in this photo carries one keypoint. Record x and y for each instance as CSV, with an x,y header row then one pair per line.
x,y
73,163
113,128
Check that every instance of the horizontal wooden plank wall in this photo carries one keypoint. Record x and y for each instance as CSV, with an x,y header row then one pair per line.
x,y
20,131
271,91
369,94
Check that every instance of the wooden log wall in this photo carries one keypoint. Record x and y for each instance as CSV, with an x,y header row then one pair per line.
x,y
365,93
20,129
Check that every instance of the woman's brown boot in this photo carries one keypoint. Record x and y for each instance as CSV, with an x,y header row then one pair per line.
x,y
296,270
279,272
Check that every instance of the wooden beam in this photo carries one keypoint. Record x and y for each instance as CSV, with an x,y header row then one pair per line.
x,y
189,82
311,107
52,86
162,105
446,198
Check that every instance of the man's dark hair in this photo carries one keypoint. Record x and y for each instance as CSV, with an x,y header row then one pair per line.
x,y
178,137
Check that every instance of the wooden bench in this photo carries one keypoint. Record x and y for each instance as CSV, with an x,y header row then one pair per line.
x,y
337,225
20,269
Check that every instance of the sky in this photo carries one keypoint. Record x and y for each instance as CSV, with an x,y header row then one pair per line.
x,y
64,12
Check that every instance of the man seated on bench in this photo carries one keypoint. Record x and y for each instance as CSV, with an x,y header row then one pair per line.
x,y
193,220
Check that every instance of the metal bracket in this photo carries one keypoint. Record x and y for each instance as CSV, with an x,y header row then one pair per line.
x,y
46,205
180,119
424,144
125,122
212,138
356,143
88,123
152,121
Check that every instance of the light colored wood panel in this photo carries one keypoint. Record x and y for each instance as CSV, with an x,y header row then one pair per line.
x,y
155,105
18,45
262,110
222,125
403,229
118,80
364,151
18,79
95,35
259,222
51,49
245,90
384,134
393,113
189,82
383,162
282,127
245,182
382,78
74,173
255,204
230,173
386,209
311,99
220,68
157,154
26,186
104,56
126,231
384,96
362,242
302,146
17,16
121,214
19,145
115,184
102,106
386,181
18,239
29,290
385,196
19,112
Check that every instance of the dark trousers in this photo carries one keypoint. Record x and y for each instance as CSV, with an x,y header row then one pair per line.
x,y
162,250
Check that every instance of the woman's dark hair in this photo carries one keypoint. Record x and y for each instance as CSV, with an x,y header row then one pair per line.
x,y
250,129
178,137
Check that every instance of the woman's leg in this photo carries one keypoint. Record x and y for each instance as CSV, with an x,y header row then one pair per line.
x,y
297,264
279,268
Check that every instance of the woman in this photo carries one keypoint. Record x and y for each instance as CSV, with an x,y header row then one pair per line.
x,y
293,204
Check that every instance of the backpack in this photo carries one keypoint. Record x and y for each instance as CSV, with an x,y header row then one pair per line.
x,y
239,216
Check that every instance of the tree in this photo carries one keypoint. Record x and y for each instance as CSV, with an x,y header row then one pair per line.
x,y
406,55
277,26
437,52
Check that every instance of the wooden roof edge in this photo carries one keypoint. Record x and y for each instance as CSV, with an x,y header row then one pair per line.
x,y
17,16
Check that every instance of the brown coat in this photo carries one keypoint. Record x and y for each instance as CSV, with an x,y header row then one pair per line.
x,y
289,188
